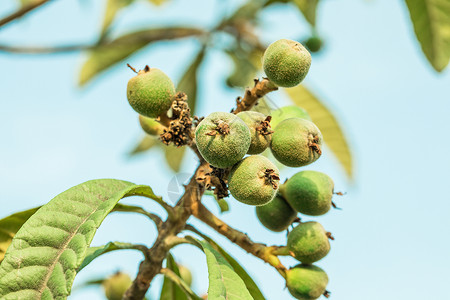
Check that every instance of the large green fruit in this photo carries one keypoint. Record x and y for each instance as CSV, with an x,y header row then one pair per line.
x,y
309,242
260,130
276,215
306,282
116,285
222,139
150,92
286,62
150,125
296,142
309,192
287,112
254,180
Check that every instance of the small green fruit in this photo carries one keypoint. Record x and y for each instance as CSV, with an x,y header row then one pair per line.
x,y
276,215
286,62
309,192
150,93
306,282
150,125
296,142
288,112
254,180
308,242
260,130
222,139
185,274
116,285
314,44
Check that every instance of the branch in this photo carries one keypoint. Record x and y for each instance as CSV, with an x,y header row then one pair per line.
x,y
266,253
46,50
152,265
22,11
251,96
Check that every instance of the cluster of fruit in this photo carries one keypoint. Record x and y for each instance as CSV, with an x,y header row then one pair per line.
x,y
224,139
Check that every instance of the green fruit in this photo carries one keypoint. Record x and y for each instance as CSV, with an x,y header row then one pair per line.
x,y
308,242
296,142
150,93
116,285
260,130
309,192
306,282
276,215
286,62
222,139
185,274
150,125
314,44
288,112
254,180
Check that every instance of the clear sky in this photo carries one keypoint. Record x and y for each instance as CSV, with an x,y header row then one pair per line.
x,y
391,234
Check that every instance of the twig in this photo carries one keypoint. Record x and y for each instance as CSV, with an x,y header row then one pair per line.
x,y
22,11
251,96
266,253
131,208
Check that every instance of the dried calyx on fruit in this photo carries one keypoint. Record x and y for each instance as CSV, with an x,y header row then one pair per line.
x,y
150,92
286,62
296,142
254,180
222,139
309,192
276,215
179,130
306,282
260,130
309,242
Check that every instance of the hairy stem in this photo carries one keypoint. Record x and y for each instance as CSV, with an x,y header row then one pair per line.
x,y
251,96
262,251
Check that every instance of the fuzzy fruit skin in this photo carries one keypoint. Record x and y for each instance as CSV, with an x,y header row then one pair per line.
x,y
306,282
309,192
286,62
276,215
309,242
220,150
287,112
247,183
150,93
116,285
259,142
291,142
150,125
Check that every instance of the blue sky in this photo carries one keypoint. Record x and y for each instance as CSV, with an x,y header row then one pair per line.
x,y
390,236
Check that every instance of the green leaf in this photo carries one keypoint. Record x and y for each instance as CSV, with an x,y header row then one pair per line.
x,y
308,9
248,281
188,83
224,283
111,52
246,66
9,227
332,132
174,156
94,252
170,290
157,2
431,20
44,255
112,8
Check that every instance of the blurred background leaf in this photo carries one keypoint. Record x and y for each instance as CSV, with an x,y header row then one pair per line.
x,y
112,8
146,143
188,83
332,132
109,53
174,156
431,20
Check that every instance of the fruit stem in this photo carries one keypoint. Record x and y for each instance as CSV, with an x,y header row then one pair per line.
x,y
251,96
